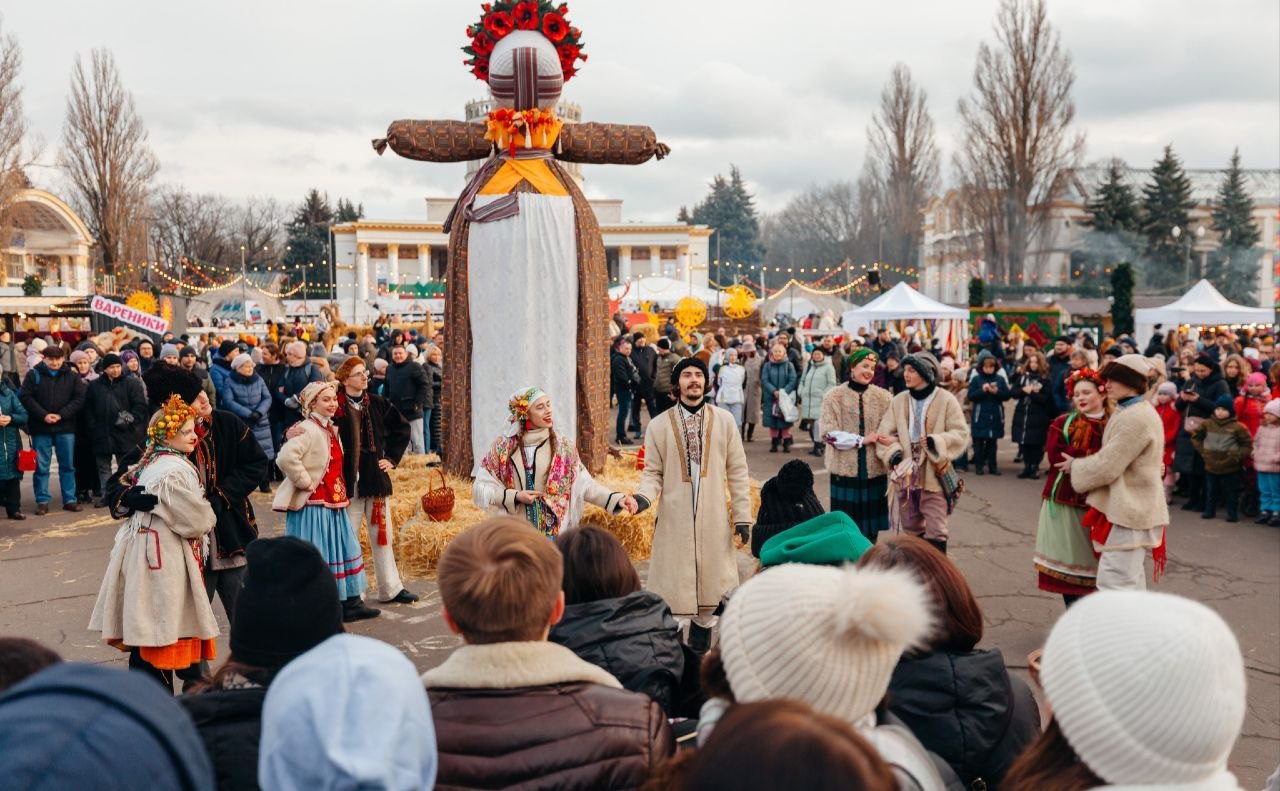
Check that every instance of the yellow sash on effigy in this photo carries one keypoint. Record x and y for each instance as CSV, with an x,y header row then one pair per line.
x,y
534,171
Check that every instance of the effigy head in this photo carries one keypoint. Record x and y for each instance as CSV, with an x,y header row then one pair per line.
x,y
526,51
524,72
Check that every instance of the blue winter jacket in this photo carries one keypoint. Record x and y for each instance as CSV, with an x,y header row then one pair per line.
x,y
10,439
988,408
244,396
219,372
773,377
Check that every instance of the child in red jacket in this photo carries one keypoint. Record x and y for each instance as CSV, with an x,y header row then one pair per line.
x,y
1249,404
1166,394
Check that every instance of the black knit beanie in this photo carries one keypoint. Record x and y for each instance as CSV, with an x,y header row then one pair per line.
x,y
289,603
786,500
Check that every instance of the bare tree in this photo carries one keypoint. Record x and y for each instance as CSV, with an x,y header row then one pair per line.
x,y
17,150
259,226
904,161
815,229
197,228
1018,145
107,160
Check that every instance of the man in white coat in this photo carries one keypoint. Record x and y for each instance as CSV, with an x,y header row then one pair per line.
x,y
695,464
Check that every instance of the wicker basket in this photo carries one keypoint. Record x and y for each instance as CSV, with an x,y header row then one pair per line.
x,y
437,503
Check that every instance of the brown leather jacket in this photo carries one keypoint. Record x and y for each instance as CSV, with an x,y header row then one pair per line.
x,y
533,715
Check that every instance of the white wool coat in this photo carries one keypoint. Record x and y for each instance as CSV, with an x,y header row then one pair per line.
x,y
153,592
694,562
303,460
945,428
1124,479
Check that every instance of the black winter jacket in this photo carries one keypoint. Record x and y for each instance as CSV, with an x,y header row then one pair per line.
x,y
408,389
634,637
967,709
383,434
44,392
229,722
622,374
109,400
1035,410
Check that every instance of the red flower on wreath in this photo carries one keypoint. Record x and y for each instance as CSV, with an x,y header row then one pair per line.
x,y
480,68
499,24
482,45
526,15
554,27
568,54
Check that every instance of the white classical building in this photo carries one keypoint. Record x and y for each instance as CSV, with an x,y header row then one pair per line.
x,y
951,250
46,238
371,256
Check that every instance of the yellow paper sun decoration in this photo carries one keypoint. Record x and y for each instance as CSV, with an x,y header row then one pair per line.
x,y
689,313
741,302
143,301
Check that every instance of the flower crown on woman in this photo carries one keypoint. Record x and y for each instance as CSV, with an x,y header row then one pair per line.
x,y
1085,375
518,409
173,416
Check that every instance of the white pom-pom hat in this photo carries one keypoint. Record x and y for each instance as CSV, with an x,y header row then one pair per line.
x,y
1148,688
829,637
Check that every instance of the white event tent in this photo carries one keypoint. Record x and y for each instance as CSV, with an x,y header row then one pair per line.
x,y
902,304
664,291
1201,306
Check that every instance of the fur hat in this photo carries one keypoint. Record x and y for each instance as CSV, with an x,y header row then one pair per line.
x,y
164,380
1129,370
829,637
1148,688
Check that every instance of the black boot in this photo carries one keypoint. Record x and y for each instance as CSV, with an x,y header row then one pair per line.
x,y
751,430
941,546
786,445
354,609
773,445
817,449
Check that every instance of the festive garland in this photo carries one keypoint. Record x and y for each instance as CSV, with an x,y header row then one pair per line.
x,y
504,17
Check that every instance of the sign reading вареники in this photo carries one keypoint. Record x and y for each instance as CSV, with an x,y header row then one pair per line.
x,y
128,315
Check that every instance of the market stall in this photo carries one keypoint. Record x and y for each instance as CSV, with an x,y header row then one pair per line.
x,y
903,305
1202,306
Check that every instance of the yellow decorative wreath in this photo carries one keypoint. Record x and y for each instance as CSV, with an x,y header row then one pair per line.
x,y
741,301
143,301
689,313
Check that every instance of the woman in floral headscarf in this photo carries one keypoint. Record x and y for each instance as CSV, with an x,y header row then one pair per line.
x,y
1064,557
534,472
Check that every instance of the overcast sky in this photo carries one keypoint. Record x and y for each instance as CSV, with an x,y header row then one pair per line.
x,y
272,97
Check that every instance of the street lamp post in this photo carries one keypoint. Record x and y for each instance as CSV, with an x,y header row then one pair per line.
x,y
244,287
1176,233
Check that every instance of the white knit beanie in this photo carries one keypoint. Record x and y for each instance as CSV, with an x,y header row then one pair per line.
x,y
829,637
1148,688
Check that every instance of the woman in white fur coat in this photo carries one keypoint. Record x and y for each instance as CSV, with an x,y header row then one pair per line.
x,y
533,472
152,602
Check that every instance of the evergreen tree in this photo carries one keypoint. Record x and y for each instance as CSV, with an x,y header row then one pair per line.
x,y
683,215
1113,221
1166,202
977,295
1233,267
309,237
1122,298
730,211
347,212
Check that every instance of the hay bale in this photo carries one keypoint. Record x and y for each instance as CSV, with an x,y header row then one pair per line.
x,y
420,541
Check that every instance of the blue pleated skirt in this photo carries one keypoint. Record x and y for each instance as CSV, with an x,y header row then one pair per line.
x,y
331,532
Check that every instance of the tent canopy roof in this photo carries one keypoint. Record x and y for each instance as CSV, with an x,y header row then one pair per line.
x,y
1203,304
902,302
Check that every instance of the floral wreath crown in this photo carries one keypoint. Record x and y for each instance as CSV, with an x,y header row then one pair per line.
x,y
1085,375
174,415
504,17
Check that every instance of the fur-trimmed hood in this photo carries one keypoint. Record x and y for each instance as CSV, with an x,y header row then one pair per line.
x,y
514,665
